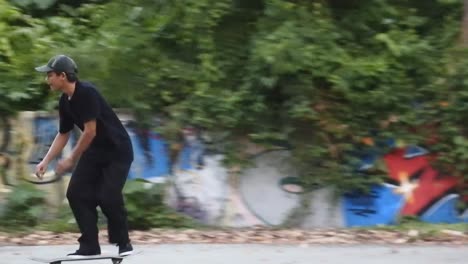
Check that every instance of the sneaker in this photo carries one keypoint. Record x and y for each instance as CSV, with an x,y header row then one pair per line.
x,y
125,249
80,253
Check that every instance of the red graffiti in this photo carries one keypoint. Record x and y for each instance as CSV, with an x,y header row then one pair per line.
x,y
419,183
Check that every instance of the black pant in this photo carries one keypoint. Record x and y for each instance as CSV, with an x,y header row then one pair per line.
x,y
98,180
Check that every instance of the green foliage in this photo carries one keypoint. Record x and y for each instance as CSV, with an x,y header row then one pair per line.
x,y
146,209
62,221
24,207
408,223
40,4
319,75
447,117
21,88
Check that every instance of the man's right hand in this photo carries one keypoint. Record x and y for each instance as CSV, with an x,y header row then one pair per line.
x,y
41,168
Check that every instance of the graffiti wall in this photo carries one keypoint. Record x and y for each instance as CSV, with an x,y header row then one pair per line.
x,y
413,188
5,154
266,193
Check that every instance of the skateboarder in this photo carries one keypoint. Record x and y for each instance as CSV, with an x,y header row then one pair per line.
x,y
101,158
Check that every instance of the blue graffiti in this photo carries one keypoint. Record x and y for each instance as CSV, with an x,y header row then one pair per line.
x,y
444,211
191,157
151,158
44,135
379,207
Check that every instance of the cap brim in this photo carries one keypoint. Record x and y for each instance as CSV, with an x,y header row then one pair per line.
x,y
43,68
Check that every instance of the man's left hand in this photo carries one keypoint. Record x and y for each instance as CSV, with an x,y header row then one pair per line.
x,y
64,165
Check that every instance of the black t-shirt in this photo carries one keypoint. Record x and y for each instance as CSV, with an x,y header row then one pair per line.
x,y
87,104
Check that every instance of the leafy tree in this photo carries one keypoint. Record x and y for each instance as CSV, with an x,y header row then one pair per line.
x,y
322,77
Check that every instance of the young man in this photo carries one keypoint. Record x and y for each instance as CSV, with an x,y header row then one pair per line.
x,y
103,156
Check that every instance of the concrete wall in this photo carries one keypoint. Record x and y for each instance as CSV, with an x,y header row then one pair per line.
x,y
262,194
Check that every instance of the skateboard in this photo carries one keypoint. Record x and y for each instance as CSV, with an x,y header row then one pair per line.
x,y
116,259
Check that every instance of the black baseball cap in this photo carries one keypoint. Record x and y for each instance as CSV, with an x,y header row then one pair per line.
x,y
59,63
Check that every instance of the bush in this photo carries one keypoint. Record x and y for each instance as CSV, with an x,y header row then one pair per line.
x,y
63,221
146,208
24,207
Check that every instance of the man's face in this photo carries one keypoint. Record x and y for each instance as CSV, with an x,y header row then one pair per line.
x,y
56,81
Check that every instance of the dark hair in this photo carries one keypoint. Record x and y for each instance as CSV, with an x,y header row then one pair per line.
x,y
71,76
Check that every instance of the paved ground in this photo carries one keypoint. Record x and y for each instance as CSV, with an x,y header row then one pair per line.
x,y
252,254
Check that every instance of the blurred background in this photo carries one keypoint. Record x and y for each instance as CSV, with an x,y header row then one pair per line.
x,y
283,113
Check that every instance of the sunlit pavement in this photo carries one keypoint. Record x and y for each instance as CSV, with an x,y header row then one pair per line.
x,y
246,254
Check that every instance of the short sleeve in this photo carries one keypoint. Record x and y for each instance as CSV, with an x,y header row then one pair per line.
x,y
65,121
89,105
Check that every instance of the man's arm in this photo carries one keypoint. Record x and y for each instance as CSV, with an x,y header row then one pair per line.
x,y
57,146
89,132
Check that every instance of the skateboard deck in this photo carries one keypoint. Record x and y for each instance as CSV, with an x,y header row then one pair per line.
x,y
116,259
